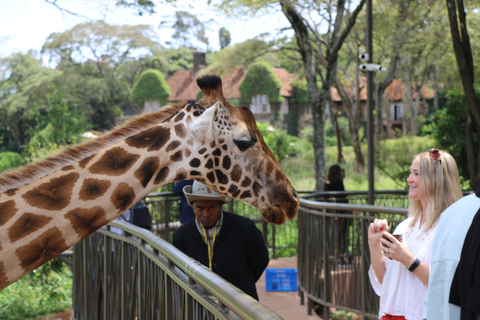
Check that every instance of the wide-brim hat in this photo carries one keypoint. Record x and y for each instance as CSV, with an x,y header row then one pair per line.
x,y
199,191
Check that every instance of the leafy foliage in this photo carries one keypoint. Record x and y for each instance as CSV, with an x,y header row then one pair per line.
x,y
55,125
42,292
394,157
448,128
151,85
187,28
260,79
224,36
101,43
281,144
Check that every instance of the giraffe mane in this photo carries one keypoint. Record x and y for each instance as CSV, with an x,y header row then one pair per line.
x,y
16,178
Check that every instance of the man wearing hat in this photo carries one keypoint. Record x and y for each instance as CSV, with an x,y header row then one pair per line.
x,y
229,244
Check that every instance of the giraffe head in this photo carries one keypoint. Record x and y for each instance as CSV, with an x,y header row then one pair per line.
x,y
238,162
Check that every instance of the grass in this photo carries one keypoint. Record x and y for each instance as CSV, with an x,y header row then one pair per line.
x,y
301,172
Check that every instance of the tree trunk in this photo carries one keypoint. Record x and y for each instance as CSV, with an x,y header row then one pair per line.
x,y
319,98
463,55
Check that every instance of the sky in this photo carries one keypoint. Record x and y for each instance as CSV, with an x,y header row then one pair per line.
x,y
25,24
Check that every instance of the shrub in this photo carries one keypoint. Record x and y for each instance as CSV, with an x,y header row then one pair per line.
x,y
151,85
394,156
45,291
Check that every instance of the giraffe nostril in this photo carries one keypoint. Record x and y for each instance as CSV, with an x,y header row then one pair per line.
x,y
295,194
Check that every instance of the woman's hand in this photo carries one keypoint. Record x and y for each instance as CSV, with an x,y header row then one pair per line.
x,y
376,230
396,250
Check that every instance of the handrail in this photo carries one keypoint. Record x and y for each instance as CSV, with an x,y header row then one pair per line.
x,y
352,207
235,299
333,252
200,283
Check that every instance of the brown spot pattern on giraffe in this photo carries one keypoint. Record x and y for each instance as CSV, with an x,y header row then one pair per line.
x,y
54,194
146,171
93,188
173,145
162,175
42,249
83,163
226,162
11,192
256,187
123,196
27,224
180,131
114,162
152,139
246,182
3,276
86,221
236,173
195,163
7,211
179,116
177,156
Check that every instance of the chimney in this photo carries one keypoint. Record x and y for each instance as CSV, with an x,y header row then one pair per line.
x,y
198,61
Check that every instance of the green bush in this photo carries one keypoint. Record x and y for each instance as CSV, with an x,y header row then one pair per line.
x,y
43,292
260,79
10,160
151,85
448,127
394,156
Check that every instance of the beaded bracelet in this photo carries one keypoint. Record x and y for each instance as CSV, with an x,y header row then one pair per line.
x,y
414,264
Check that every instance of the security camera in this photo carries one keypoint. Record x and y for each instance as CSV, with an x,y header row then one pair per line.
x,y
372,67
363,56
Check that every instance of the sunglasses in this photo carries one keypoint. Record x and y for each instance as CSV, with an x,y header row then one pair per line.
x,y
435,154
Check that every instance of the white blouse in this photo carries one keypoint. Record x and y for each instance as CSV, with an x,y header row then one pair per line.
x,y
402,293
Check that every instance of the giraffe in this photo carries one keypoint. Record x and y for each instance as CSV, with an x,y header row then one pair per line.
x,y
49,206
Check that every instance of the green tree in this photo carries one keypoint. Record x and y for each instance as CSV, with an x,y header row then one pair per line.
x,y
21,83
151,85
224,37
55,125
464,55
103,44
188,29
101,99
260,79
448,127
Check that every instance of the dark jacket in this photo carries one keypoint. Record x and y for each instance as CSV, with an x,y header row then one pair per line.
x,y
239,253
186,211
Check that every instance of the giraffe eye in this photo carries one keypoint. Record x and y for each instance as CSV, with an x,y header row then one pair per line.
x,y
243,144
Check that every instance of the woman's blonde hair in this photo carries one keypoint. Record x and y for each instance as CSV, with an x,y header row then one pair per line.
x,y
441,184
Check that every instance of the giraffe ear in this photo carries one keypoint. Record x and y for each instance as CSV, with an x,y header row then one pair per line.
x,y
202,127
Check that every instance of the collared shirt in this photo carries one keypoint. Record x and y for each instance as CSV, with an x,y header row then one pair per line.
x,y
402,293
211,231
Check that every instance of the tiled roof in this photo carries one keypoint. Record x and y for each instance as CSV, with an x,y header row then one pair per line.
x,y
395,91
184,86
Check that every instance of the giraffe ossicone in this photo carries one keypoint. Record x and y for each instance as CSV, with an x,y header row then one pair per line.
x,y
49,206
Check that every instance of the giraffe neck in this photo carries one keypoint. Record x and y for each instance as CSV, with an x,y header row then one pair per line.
x,y
44,217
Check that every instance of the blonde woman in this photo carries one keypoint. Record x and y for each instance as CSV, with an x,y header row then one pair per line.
x,y
400,268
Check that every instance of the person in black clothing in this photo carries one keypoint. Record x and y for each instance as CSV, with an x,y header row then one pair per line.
x,y
186,211
229,244
334,182
335,177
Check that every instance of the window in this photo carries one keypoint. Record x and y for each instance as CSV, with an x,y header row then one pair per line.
x,y
396,111
260,104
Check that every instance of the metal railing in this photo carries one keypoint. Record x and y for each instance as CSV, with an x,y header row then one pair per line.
x,y
333,253
139,276
164,206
